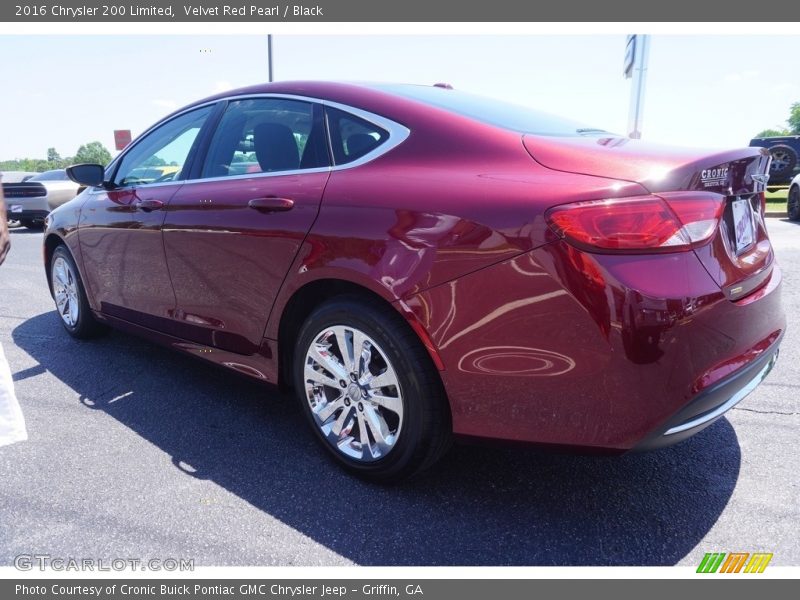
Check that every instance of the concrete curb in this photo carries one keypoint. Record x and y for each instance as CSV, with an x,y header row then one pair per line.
x,y
776,215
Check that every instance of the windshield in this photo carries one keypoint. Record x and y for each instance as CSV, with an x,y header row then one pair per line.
x,y
494,112
58,175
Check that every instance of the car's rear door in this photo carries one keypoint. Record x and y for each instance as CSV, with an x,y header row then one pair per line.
x,y
233,230
120,229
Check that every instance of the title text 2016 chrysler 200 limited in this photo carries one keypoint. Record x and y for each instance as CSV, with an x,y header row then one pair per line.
x,y
417,262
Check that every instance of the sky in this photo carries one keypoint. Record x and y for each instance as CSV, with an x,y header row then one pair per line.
x,y
702,90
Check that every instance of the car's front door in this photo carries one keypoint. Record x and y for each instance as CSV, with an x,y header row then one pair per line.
x,y
232,231
120,231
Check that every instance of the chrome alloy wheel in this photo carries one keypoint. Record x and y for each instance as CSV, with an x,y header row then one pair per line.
x,y
354,393
65,288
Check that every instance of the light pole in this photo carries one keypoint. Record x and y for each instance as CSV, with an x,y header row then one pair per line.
x,y
636,58
269,55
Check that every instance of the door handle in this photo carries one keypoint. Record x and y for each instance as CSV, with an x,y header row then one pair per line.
x,y
148,205
271,204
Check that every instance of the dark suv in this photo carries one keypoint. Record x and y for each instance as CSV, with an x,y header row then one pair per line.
x,y
784,150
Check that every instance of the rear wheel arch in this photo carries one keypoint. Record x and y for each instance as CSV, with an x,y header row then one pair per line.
x,y
425,412
51,242
313,294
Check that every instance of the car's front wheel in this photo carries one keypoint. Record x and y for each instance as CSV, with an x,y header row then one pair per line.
x,y
70,296
793,203
370,391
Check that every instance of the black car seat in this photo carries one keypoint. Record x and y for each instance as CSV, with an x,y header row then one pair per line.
x,y
276,148
360,144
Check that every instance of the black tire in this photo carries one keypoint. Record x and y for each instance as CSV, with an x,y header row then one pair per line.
x,y
85,325
793,203
32,225
425,434
784,160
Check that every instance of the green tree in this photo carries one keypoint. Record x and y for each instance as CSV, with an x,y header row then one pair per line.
x,y
53,156
93,152
794,118
24,164
793,121
772,133
154,161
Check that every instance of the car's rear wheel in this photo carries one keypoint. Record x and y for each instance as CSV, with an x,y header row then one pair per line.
x,y
370,391
69,294
793,203
784,160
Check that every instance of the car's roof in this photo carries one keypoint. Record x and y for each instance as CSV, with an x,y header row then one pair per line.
x,y
404,102
313,89
51,175
364,96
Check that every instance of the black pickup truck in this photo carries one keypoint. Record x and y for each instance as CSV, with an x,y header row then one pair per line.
x,y
785,151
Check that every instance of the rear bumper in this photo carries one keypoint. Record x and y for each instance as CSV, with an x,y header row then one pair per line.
x,y
27,215
33,209
713,403
597,352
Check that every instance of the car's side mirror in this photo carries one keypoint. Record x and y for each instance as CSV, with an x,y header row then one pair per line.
x,y
87,174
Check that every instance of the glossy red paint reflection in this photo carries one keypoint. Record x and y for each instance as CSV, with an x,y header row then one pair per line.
x,y
541,330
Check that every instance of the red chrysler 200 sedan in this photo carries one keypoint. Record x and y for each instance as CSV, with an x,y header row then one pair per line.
x,y
419,263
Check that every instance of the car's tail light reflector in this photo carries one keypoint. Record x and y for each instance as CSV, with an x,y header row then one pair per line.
x,y
669,222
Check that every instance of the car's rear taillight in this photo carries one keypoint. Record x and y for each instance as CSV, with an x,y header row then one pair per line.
x,y
669,222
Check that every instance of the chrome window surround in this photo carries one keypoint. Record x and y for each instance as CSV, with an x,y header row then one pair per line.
x,y
397,135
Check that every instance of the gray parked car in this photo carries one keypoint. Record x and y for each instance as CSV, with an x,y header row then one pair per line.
x,y
29,202
17,176
793,200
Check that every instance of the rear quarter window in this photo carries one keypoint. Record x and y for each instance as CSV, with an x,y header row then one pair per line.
x,y
352,137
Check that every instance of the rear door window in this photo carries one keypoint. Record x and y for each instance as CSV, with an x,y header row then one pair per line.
x,y
267,135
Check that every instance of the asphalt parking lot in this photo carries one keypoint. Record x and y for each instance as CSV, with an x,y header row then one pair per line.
x,y
138,452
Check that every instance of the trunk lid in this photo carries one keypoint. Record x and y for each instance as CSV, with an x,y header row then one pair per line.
x,y
739,256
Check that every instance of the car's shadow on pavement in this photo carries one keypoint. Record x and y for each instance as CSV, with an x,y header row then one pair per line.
x,y
479,506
